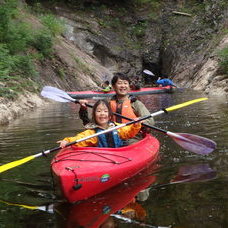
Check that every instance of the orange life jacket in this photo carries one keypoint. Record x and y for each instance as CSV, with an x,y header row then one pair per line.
x,y
125,109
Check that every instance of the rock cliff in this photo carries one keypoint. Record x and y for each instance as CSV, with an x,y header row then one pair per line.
x,y
180,39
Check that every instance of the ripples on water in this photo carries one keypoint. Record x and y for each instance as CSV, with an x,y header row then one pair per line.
x,y
194,204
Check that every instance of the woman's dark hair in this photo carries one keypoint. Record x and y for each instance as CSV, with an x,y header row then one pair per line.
x,y
119,76
104,102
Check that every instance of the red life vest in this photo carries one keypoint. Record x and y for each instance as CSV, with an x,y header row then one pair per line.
x,y
123,108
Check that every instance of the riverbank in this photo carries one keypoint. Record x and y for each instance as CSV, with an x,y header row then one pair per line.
x,y
11,110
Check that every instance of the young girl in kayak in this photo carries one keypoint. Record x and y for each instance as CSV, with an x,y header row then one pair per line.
x,y
101,116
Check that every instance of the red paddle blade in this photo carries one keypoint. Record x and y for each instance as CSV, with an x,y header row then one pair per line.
x,y
193,143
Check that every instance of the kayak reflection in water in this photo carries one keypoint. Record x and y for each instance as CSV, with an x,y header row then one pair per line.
x,y
101,116
108,223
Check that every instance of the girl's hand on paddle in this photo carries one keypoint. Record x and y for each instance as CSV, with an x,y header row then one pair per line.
x,y
83,103
138,124
62,143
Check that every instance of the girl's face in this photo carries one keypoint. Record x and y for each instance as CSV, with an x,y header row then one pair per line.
x,y
122,87
102,116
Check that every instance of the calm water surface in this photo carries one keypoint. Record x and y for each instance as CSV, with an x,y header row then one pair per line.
x,y
200,202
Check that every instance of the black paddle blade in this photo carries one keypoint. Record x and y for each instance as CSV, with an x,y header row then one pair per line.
x,y
193,143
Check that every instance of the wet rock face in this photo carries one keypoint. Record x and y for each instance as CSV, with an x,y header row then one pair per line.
x,y
114,44
174,43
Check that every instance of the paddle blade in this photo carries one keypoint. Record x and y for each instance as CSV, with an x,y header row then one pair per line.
x,y
54,97
148,72
13,164
193,143
56,94
194,173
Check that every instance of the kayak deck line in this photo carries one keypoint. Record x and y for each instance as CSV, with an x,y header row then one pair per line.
x,y
70,157
82,172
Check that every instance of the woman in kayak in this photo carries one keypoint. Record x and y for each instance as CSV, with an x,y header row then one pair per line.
x,y
101,116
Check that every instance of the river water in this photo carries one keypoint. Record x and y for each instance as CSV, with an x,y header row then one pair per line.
x,y
198,199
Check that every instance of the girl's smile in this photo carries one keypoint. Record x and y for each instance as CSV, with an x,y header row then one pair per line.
x,y
102,115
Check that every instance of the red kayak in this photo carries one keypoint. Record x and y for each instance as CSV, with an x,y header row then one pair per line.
x,y
97,210
82,172
142,91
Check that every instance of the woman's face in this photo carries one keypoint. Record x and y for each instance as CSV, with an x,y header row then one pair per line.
x,y
102,116
122,87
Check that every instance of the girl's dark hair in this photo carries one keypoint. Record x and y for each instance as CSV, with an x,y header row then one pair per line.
x,y
104,102
119,76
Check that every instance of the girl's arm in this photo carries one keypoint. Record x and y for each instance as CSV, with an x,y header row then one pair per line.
x,y
129,131
89,142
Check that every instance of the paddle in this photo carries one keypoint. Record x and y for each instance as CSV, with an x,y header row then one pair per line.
x,y
31,157
132,221
148,72
190,174
47,208
190,142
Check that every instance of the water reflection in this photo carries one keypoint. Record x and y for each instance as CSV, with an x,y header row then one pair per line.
x,y
96,212
123,203
171,200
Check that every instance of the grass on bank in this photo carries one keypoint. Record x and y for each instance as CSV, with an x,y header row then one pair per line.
x,y
21,45
223,63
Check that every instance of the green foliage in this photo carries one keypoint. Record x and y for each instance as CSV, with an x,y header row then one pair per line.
x,y
18,36
7,11
7,92
17,39
54,25
24,66
61,73
110,22
16,64
223,63
139,29
14,70
6,62
83,66
43,42
149,3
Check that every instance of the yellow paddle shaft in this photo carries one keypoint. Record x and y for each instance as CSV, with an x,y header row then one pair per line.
x,y
24,160
172,108
16,163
